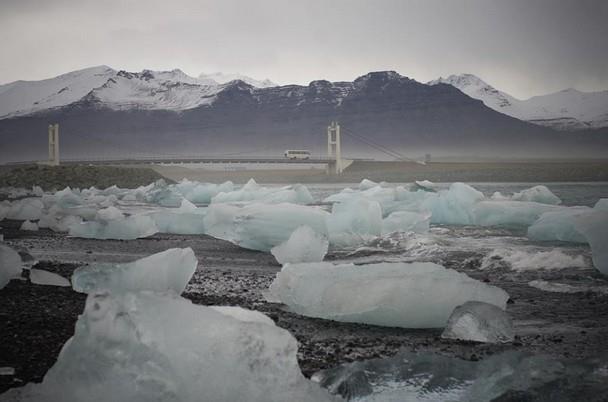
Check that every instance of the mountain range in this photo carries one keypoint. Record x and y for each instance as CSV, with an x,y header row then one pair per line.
x,y
107,113
569,109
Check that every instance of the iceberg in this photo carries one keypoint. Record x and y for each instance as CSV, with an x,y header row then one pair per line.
x,y
109,214
602,204
169,270
10,265
408,295
453,206
25,209
202,193
425,185
367,184
594,227
42,277
509,213
354,222
252,191
406,221
479,322
559,225
58,223
263,226
540,194
132,227
304,245
29,226
219,221
67,198
146,346
187,219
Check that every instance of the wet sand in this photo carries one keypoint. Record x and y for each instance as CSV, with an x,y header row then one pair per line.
x,y
36,320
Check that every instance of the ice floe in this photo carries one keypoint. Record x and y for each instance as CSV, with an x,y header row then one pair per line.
x,y
304,245
479,322
262,226
10,265
252,191
406,221
151,347
354,222
409,295
129,228
169,270
29,225
42,277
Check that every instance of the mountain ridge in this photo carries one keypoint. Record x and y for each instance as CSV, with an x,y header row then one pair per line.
x,y
567,110
381,108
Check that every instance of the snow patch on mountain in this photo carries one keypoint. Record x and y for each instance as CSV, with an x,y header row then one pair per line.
x,y
569,109
222,78
153,90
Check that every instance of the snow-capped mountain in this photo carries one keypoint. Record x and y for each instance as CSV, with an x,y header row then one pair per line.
x,y
118,90
565,110
222,78
153,90
25,97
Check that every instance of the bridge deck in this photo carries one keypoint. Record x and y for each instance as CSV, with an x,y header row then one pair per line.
x,y
180,160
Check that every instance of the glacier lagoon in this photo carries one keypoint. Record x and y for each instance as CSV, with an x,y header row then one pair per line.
x,y
545,321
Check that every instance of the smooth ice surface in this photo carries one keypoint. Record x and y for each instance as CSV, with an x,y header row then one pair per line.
x,y
409,295
187,219
262,226
304,245
479,322
523,260
406,221
540,194
132,227
10,265
243,314
595,229
559,225
29,225
169,270
430,377
42,277
509,213
143,347
354,222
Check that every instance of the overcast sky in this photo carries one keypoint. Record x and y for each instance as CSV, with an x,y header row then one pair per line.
x,y
524,47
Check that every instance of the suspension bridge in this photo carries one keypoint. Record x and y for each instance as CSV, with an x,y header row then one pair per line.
x,y
334,161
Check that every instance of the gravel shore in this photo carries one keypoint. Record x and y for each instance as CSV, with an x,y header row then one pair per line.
x,y
36,320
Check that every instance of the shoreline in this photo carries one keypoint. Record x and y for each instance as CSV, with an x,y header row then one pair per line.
x,y
38,319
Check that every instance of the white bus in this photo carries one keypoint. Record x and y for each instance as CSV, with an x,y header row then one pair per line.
x,y
297,154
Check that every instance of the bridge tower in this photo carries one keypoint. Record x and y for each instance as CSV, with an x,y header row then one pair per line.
x,y
53,144
334,149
